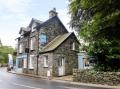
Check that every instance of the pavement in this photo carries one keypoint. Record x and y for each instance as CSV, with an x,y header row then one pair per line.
x,y
15,80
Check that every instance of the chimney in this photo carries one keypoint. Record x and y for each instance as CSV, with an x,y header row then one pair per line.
x,y
52,13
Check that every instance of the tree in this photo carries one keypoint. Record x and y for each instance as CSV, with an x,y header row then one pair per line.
x,y
98,23
4,51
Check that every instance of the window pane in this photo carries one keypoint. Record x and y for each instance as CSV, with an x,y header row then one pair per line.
x,y
45,61
42,38
31,62
25,63
73,46
21,48
32,43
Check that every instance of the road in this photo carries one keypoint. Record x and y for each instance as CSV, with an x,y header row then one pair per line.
x,y
13,81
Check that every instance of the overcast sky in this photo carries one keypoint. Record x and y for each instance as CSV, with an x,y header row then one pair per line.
x,y
18,13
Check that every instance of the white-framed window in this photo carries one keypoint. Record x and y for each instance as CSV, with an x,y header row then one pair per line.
x,y
32,42
73,46
31,62
33,27
25,63
20,48
42,38
45,61
20,63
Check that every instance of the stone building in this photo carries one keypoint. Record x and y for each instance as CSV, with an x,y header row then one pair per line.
x,y
47,46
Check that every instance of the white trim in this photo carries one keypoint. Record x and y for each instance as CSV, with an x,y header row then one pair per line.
x,y
61,66
33,27
45,61
20,48
73,46
32,43
31,62
25,63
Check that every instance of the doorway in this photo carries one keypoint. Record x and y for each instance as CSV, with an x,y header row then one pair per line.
x,y
61,66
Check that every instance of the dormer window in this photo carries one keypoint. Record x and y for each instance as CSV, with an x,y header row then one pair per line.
x,y
22,32
33,27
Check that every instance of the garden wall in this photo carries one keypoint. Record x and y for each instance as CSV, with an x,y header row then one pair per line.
x,y
90,76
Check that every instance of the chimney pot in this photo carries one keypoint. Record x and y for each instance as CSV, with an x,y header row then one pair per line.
x,y
52,13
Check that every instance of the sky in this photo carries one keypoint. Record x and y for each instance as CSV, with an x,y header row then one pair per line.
x,y
18,13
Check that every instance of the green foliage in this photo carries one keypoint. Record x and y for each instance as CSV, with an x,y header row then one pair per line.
x,y
98,23
4,51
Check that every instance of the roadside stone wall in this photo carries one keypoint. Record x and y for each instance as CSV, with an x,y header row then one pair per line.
x,y
90,76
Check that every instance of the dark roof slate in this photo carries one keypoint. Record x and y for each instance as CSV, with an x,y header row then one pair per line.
x,y
49,20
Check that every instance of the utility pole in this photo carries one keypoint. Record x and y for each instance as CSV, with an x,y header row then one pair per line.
x,y
28,50
37,53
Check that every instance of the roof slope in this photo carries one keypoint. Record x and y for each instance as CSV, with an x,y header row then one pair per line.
x,y
55,42
50,20
38,22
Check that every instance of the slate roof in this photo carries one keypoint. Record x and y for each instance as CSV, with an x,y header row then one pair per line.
x,y
35,21
49,20
55,42
24,29
28,28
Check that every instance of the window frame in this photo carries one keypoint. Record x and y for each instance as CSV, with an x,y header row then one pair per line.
x,y
33,27
32,41
73,46
25,63
46,39
45,61
31,62
21,48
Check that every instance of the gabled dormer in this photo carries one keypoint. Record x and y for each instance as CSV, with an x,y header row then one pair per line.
x,y
22,31
34,22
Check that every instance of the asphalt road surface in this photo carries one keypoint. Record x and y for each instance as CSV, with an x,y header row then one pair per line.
x,y
13,81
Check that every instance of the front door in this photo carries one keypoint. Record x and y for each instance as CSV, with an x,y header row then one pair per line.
x,y
20,65
61,66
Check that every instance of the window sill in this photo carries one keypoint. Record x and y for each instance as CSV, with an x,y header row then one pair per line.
x,y
32,49
75,50
31,68
45,67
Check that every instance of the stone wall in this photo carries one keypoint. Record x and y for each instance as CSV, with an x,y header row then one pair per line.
x,y
90,76
42,71
64,50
